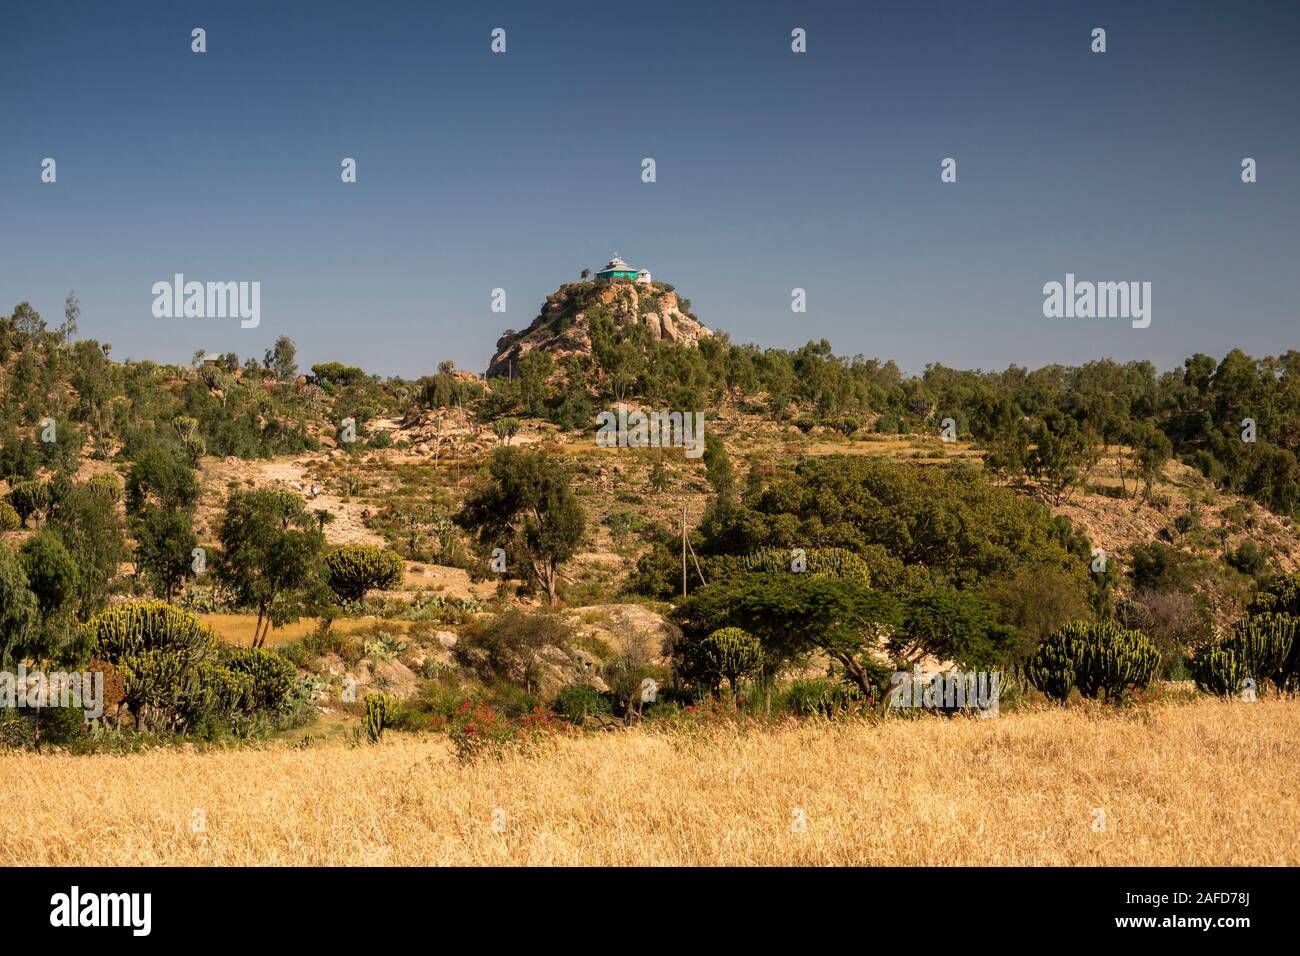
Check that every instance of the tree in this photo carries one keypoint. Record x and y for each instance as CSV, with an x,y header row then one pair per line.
x,y
51,572
270,555
282,359
27,322
165,543
71,314
505,429
84,516
19,614
29,498
527,506
162,491
355,569
161,476
952,625
794,614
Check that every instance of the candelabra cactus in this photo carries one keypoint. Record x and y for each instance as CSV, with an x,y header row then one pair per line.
x,y
1100,659
381,711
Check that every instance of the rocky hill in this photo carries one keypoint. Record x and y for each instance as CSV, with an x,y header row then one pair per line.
x,y
564,325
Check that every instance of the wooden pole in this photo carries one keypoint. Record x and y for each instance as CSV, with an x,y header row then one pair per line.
x,y
683,551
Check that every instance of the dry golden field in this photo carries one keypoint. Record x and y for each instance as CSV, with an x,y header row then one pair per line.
x,y
1201,783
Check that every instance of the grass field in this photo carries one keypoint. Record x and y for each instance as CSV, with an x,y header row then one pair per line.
x,y
1202,783
238,628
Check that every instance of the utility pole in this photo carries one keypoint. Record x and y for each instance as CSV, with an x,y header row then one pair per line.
x,y
683,551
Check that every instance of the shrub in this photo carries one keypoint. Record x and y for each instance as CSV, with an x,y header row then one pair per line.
x,y
1100,659
477,730
355,569
818,698
1249,558
581,700
9,519
272,678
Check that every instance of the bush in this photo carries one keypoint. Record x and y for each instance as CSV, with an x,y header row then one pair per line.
x,y
9,519
818,698
581,700
1100,659
1248,558
355,569
272,678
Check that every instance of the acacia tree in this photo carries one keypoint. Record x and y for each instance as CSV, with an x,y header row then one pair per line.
x,y
528,508
270,555
795,614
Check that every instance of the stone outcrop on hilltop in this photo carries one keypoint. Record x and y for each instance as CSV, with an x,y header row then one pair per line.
x,y
564,325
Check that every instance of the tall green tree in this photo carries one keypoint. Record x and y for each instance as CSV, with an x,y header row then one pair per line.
x,y
270,556
527,507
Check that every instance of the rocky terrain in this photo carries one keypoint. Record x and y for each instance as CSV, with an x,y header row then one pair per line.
x,y
563,327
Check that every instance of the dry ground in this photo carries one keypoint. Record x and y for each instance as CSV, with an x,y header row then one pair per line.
x,y
1202,783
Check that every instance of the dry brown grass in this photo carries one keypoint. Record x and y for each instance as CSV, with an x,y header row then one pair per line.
x,y
1203,783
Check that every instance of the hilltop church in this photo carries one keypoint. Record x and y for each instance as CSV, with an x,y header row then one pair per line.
x,y
616,268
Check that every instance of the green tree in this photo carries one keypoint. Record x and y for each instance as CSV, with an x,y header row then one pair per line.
x,y
19,614
282,359
527,507
162,491
270,555
84,515
795,614
51,573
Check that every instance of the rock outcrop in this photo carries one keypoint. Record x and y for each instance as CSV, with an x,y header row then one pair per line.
x,y
564,325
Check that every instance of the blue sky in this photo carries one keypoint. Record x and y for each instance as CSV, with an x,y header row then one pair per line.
x,y
775,170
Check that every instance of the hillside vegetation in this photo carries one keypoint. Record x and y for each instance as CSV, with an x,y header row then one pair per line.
x,y
243,550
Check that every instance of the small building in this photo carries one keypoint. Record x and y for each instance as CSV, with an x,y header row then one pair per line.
x,y
616,268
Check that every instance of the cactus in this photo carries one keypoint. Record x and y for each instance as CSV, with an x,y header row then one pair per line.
x,y
730,653
381,711
355,569
30,497
1261,647
1051,669
1100,659
822,562
1217,670
126,629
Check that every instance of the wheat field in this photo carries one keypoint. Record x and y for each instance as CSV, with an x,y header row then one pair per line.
x,y
1200,784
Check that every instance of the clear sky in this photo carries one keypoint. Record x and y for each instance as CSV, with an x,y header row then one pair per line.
x,y
774,170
